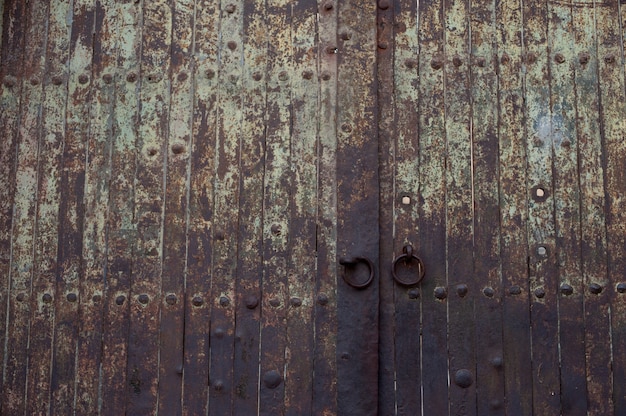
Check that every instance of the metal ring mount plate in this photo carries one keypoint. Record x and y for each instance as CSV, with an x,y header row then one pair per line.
x,y
409,257
353,261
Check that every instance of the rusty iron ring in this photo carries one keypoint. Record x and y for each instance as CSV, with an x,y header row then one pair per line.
x,y
408,256
351,262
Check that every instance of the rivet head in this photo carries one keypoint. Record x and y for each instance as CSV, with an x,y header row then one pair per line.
x,y
540,292
224,301
345,36
71,297
322,299
481,62
120,300
219,333
10,81
276,229
346,128
383,45
331,50
257,76
345,355
296,302
609,59
252,302
441,293
107,78
566,289
152,151
57,80
537,142
463,378
96,298
328,6
171,299
34,81
20,297
542,251
47,298
307,74
326,76
275,302
197,301
218,385
461,290
83,79
595,288
383,4
232,45
132,77
233,79
231,8
559,58
621,287
436,63
566,143
531,58
143,299
272,379
283,76
410,63
456,61
209,73
583,58
515,290
182,76
505,59
497,362
414,293
489,292
178,148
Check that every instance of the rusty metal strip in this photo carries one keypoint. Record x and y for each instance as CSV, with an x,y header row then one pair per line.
x,y
96,200
11,64
23,240
226,199
513,213
357,209
612,127
71,211
567,209
145,297
276,208
176,200
486,174
541,226
459,208
122,230
388,127
301,263
432,209
593,214
324,361
202,159
250,242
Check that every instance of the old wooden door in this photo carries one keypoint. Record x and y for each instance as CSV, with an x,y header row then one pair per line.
x,y
312,207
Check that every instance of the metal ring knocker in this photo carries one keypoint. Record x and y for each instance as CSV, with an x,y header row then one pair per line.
x,y
348,262
408,257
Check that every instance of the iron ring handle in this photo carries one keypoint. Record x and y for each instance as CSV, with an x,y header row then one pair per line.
x,y
409,256
351,262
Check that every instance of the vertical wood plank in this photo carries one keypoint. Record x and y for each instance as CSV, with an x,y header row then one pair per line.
x,y
567,209
325,364
432,209
302,244
175,226
276,208
612,126
122,229
97,178
513,214
459,209
541,227
486,174
226,199
71,212
202,159
592,211
24,240
145,297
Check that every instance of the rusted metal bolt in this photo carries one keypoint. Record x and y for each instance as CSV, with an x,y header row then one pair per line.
x,y
497,361
481,62
171,299
346,128
542,251
531,58
182,76
609,59
83,78
345,36
107,78
489,292
383,4
47,298
218,385
224,301
441,293
209,73
515,290
326,76
322,299
20,297
559,58
436,63
383,45
621,287
328,6
57,80
252,302
197,301
132,77
410,63
456,61
283,76
505,59
275,302
71,297
463,378
10,81
96,298
230,9
595,288
232,45
276,229
566,143
34,81
307,74
566,289
143,299
414,293
152,151
272,379
178,148
296,302
345,356
257,76
461,290
219,235
219,333
120,300
540,292
583,58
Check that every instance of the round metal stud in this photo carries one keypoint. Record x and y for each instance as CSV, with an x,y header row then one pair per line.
x,y
497,362
383,4
230,9
143,299
20,297
107,78
322,299
132,77
328,6
71,297
57,80
257,76
461,290
34,81
621,287
383,45
441,293
531,58
456,61
224,301
559,58
326,76
566,289
345,36
252,302
505,59
232,45
120,300
307,74
218,385
47,298
296,302
414,293
283,76
171,299
274,303
219,333
346,128
410,63
489,292
583,58
182,76
515,290
96,298
540,292
609,59
83,78
272,379
178,148
436,63
463,378
197,301
209,73
276,229
595,288
542,251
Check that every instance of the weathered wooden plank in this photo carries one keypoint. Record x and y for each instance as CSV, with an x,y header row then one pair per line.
x,y
302,226
541,227
432,237
513,212
612,127
226,210
145,297
593,213
487,277
176,200
250,242
567,209
11,64
459,210
23,239
71,210
202,159
121,237
96,200
325,364
276,209
357,210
